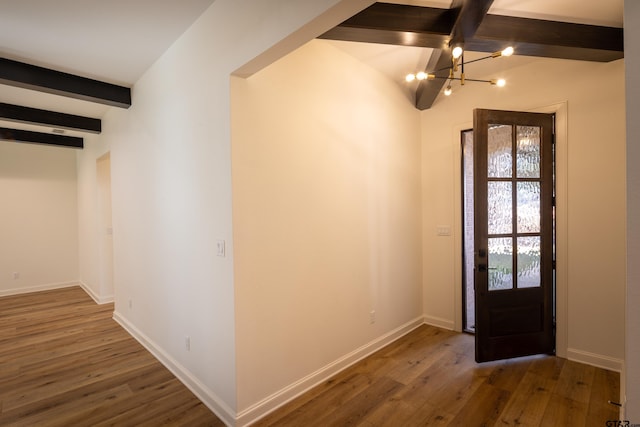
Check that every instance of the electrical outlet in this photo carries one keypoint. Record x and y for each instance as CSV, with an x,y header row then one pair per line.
x,y
187,343
15,275
372,317
130,304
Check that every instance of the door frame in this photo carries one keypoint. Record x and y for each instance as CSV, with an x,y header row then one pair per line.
x,y
562,267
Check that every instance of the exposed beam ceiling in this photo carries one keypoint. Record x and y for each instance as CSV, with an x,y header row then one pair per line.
x,y
20,74
17,113
468,23
18,135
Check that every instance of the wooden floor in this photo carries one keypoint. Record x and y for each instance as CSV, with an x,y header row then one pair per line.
x,y
65,362
429,378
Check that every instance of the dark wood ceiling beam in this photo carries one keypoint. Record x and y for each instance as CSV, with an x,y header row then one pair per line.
x,y
428,90
550,39
471,15
18,135
19,74
17,113
397,24
431,27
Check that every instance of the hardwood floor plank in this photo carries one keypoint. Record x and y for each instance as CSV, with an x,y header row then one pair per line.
x,y
563,411
605,388
329,400
69,412
434,380
65,362
429,415
483,408
528,401
575,381
355,410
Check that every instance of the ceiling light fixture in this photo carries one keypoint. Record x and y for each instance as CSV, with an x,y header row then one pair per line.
x,y
457,64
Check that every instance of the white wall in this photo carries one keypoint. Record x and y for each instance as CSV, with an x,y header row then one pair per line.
x,y
38,218
631,378
591,180
326,213
171,187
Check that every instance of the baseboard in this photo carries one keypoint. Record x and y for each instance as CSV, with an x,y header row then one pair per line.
x,y
598,360
98,299
213,402
37,288
278,399
439,322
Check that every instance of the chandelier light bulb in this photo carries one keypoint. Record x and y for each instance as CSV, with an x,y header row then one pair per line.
x,y
448,90
507,51
421,75
457,52
410,77
499,82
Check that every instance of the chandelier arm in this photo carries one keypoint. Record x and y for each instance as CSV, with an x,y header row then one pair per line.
x,y
466,79
478,59
462,63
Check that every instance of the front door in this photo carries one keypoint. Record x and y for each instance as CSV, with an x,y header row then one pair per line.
x,y
514,234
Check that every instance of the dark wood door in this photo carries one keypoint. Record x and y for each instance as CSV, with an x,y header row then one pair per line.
x,y
514,234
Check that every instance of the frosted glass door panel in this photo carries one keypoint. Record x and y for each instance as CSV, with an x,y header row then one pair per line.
x,y
528,152
528,211
499,149
499,204
528,262
500,264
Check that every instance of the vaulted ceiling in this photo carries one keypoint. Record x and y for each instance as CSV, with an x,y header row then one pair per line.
x,y
91,52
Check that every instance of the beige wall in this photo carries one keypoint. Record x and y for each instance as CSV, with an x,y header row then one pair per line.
x,y
38,217
326,213
171,188
591,205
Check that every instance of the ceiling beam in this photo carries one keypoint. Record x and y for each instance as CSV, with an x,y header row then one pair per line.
x,y
431,27
19,74
428,90
472,13
397,24
18,135
549,39
17,113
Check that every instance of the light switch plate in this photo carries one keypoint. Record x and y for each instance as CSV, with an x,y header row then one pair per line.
x,y
443,230
220,248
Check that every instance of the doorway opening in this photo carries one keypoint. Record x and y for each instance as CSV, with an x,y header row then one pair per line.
x,y
105,227
509,280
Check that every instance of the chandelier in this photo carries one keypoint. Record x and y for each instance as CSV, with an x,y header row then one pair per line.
x,y
457,65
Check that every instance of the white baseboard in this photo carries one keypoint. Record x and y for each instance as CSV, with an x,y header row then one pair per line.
x,y
439,322
37,288
98,299
278,399
213,402
598,360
